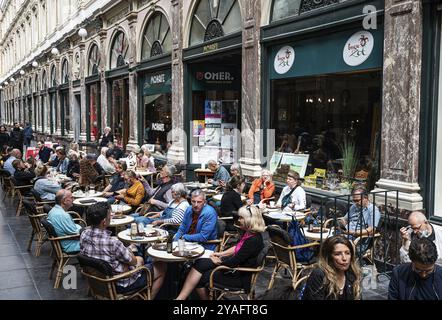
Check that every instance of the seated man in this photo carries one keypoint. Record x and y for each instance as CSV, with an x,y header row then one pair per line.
x,y
62,221
161,196
221,176
22,175
418,227
14,155
117,183
362,219
422,278
63,161
199,222
96,242
44,153
135,192
102,160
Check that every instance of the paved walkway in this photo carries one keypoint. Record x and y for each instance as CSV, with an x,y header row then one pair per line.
x,y
25,277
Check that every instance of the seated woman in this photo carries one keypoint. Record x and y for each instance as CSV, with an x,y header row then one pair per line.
x,y
338,276
262,188
292,196
146,160
45,188
73,170
231,200
23,174
135,192
174,212
244,254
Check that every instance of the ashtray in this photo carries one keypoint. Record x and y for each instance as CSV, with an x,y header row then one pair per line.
x,y
318,230
187,254
153,233
160,246
118,216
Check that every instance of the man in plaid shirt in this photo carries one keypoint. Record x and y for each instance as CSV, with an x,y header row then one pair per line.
x,y
97,242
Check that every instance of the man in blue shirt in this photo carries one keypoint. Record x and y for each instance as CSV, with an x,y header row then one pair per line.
x,y
15,154
199,222
63,163
221,176
62,221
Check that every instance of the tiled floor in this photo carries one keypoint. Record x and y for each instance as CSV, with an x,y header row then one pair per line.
x,y
25,277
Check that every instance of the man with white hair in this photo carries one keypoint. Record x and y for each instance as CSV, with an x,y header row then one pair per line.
x,y
418,227
221,176
15,154
108,167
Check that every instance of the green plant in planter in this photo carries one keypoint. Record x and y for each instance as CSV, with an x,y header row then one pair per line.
x,y
350,156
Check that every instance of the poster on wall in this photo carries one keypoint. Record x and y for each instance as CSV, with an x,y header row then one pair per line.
x,y
229,111
204,154
198,128
296,162
226,156
213,134
212,111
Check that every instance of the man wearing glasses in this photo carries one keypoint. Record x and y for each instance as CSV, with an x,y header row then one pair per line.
x,y
418,227
420,279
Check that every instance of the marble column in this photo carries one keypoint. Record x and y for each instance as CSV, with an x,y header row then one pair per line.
x,y
83,102
103,107
71,99
58,97
133,83
401,101
176,153
251,100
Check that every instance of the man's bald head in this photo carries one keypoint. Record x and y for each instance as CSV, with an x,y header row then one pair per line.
x,y
416,217
64,198
16,153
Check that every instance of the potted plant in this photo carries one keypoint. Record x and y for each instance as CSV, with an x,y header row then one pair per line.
x,y
350,156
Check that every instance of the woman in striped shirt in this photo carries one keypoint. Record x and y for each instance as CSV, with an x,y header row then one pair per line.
x,y
174,212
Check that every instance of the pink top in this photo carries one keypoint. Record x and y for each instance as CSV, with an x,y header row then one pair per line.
x,y
245,236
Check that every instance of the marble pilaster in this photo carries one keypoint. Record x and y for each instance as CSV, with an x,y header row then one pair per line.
x,y
401,101
83,103
133,82
176,153
72,118
251,70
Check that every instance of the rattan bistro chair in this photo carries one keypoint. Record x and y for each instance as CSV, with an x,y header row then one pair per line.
x,y
61,258
22,192
285,254
218,290
35,215
102,282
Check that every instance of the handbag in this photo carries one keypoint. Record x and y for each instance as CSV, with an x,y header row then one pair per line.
x,y
298,238
286,200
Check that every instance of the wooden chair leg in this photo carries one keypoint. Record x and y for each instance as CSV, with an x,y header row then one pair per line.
x,y
30,240
19,206
51,272
274,273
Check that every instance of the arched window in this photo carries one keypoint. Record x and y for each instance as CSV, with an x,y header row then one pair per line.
x,y
213,19
65,72
282,9
119,51
53,77
44,83
157,38
93,61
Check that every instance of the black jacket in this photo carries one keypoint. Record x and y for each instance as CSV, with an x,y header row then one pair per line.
x,y
17,138
23,177
405,284
230,202
315,289
44,154
4,140
106,139
73,167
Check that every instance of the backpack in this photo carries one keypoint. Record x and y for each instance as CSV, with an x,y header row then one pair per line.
x,y
296,233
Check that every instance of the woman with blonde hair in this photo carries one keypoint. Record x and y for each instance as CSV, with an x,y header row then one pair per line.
x,y
244,254
338,276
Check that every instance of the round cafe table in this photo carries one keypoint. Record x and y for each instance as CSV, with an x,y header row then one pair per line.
x,y
284,216
79,195
123,208
317,236
86,202
197,185
145,173
163,255
126,237
124,220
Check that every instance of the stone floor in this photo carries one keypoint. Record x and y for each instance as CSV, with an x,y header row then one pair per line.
x,y
25,277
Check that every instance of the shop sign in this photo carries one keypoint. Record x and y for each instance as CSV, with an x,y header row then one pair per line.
x,y
157,83
358,48
284,59
210,47
214,78
158,127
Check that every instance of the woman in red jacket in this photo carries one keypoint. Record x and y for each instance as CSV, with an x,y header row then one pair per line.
x,y
261,188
